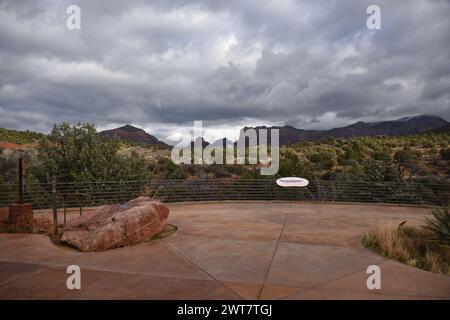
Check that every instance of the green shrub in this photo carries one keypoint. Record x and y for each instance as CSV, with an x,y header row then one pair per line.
x,y
445,154
437,228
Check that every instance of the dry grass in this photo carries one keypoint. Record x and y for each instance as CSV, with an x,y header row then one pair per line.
x,y
8,228
409,245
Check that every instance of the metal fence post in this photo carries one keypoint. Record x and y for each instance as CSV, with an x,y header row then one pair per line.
x,y
80,201
20,180
221,188
419,198
65,209
55,207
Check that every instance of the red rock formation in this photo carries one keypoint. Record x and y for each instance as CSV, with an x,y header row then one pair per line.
x,y
404,126
133,134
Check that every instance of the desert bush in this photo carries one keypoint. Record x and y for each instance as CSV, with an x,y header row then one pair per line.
x,y
409,245
288,163
373,170
445,154
382,155
324,160
428,144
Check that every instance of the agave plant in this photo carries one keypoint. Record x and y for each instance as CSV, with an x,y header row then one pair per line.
x,y
437,228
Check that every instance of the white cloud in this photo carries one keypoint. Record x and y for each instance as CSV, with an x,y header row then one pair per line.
x,y
163,64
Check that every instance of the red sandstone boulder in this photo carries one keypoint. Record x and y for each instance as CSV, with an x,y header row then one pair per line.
x,y
113,226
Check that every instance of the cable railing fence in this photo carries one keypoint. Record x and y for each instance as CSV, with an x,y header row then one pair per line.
x,y
92,194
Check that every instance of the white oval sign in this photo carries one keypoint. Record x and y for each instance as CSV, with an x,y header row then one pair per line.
x,y
292,182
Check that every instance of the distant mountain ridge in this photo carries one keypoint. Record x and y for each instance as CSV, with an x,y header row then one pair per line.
x,y
288,134
403,126
133,134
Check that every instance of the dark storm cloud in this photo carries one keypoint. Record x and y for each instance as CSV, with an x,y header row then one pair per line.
x,y
231,63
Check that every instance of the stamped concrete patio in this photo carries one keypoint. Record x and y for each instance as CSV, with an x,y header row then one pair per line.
x,y
229,250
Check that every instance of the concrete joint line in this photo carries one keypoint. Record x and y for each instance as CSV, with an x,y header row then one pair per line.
x,y
273,256
180,254
24,276
330,281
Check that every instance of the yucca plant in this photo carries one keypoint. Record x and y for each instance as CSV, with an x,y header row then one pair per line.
x,y
437,228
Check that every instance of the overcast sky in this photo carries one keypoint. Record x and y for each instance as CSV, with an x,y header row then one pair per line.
x,y
162,64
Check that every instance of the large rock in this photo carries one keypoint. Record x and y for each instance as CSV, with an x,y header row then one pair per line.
x,y
116,225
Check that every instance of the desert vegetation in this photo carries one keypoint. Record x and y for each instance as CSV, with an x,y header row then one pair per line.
x,y
420,158
79,153
426,247
19,137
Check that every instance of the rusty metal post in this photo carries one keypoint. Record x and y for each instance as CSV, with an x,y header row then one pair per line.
x,y
20,180
55,207
80,201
